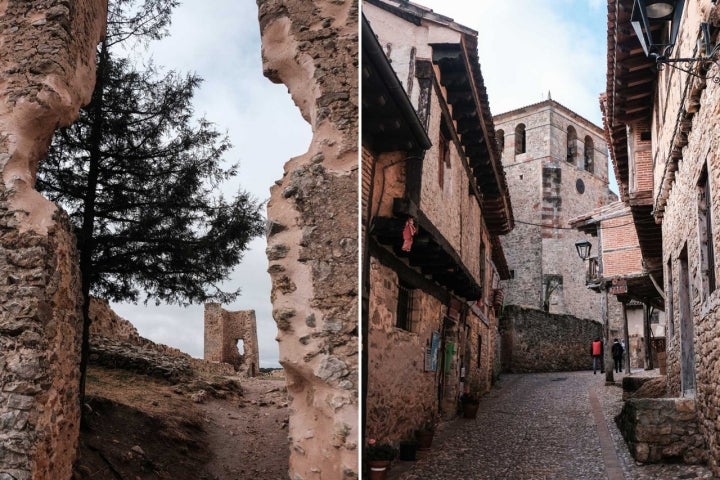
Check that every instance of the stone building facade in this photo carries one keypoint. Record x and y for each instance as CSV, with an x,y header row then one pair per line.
x,y
312,47
434,202
557,168
662,128
47,52
618,269
223,332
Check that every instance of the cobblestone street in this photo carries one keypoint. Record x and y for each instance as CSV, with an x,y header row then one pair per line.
x,y
540,426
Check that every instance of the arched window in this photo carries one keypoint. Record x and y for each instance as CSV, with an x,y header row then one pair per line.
x,y
589,154
571,144
500,137
520,138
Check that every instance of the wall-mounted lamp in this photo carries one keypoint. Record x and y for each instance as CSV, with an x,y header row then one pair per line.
x,y
583,249
657,23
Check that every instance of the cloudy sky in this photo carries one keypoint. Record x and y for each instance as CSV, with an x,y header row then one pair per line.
x,y
527,48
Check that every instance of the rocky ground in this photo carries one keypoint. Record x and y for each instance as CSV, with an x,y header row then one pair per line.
x,y
154,416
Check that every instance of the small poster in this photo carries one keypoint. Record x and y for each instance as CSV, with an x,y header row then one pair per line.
x,y
432,353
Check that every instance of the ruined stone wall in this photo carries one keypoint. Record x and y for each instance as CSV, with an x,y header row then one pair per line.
x,y
534,341
681,231
105,322
547,190
223,330
312,47
401,393
47,54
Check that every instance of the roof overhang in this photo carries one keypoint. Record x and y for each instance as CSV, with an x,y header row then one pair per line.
x,y
461,77
389,121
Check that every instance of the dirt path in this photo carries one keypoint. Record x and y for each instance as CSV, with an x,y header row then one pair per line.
x,y
248,437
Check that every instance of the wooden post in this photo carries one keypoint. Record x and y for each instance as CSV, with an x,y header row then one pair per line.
x,y
647,313
627,339
607,357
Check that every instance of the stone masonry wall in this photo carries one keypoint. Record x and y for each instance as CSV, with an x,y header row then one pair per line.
x,y
47,56
40,330
662,430
401,393
534,341
312,47
680,232
223,329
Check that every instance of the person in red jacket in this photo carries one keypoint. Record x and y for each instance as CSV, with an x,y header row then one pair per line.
x,y
597,350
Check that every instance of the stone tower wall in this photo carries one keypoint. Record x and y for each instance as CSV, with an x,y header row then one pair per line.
x,y
47,53
223,329
312,47
544,191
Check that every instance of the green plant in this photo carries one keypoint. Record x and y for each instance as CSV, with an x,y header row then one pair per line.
x,y
471,393
429,424
380,451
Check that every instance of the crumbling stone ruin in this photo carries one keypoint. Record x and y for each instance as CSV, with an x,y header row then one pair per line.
x,y
47,53
223,330
116,343
312,47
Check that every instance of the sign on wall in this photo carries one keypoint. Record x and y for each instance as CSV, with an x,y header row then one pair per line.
x,y
431,353
619,286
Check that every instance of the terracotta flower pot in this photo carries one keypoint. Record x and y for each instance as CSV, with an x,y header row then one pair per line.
x,y
425,438
378,469
470,409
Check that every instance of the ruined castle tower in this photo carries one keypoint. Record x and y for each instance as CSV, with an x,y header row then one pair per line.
x,y
47,54
223,330
312,47
557,168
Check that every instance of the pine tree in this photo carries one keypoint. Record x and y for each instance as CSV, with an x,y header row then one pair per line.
x,y
139,176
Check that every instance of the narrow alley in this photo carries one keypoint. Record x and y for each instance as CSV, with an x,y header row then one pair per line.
x,y
539,426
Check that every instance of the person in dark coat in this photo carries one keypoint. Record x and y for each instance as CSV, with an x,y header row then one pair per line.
x,y
597,350
617,353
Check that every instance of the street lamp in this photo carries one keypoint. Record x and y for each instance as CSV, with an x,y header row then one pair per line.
x,y
657,23
650,19
583,249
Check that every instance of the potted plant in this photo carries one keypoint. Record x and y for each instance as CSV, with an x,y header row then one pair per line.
x,y
426,432
470,400
408,450
379,455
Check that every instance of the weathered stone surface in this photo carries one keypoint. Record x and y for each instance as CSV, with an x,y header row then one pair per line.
x,y
644,387
47,54
113,353
312,47
104,322
662,430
